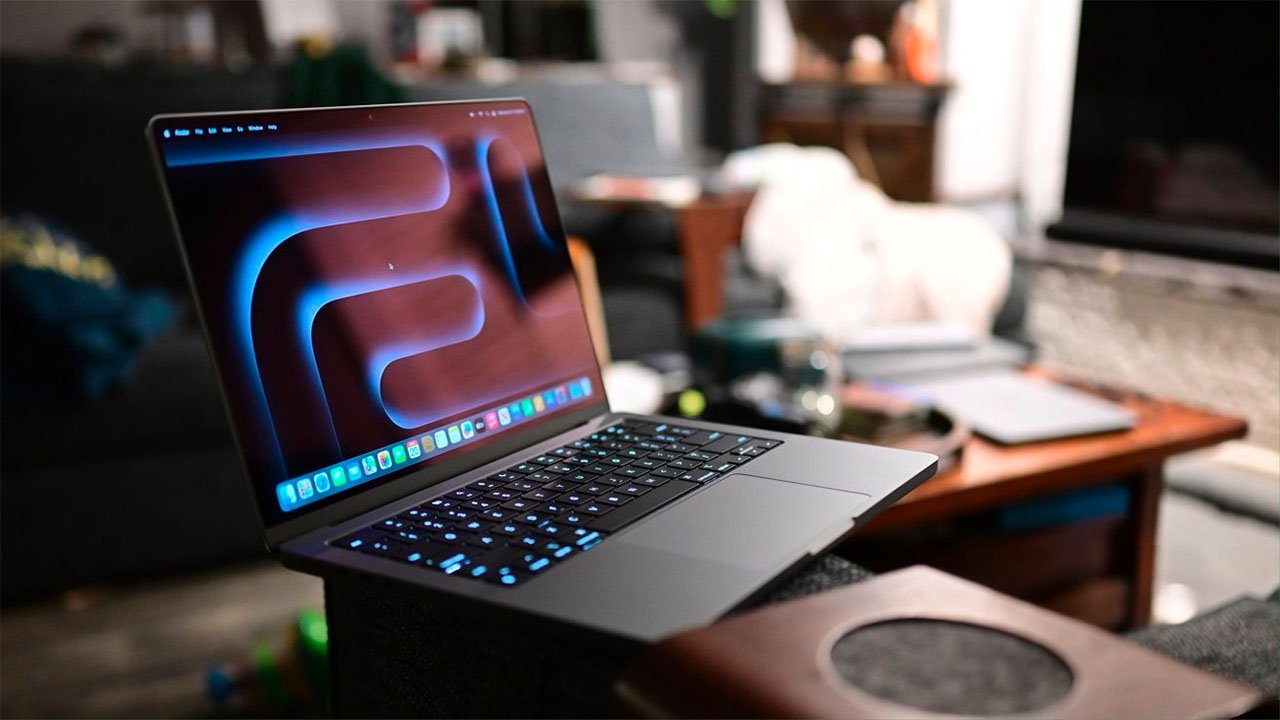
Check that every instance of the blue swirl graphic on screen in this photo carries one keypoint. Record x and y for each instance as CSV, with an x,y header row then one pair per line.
x,y
317,297
278,230
483,148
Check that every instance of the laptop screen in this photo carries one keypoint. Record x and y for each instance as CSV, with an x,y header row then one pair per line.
x,y
383,288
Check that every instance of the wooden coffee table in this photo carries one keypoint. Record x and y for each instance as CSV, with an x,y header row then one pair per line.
x,y
1099,570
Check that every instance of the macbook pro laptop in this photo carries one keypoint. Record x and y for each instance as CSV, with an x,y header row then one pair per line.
x,y
406,363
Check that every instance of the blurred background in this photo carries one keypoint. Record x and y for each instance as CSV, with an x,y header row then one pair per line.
x,y
1087,187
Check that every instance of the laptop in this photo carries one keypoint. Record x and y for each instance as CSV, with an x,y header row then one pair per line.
x,y
404,357
1010,408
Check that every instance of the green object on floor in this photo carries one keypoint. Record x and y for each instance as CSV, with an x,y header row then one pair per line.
x,y
293,680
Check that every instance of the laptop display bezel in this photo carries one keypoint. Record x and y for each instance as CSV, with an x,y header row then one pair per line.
x,y
375,496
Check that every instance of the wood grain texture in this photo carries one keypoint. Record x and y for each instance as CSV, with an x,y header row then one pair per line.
x,y
143,650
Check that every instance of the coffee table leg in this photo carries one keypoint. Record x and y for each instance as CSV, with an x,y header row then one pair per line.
x,y
1145,509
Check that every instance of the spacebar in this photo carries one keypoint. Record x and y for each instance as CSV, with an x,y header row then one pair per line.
x,y
641,506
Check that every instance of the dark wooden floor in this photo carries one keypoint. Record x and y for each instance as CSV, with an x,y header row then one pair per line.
x,y
142,650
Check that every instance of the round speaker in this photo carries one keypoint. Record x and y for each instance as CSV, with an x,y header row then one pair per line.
x,y
951,667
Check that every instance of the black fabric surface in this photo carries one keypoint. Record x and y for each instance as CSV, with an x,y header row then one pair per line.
x,y
1239,641
395,654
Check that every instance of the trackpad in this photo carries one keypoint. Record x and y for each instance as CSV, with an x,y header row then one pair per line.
x,y
747,521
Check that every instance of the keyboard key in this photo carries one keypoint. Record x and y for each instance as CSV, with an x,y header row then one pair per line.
x,y
505,476
462,494
634,490
594,489
565,451
484,540
440,503
614,499
685,464
560,469
594,508
575,498
585,538
552,530
521,485
479,504
641,506
575,518
649,462
555,507
667,472
612,480
447,537
501,495
700,456
497,514
725,444
528,542
632,471
451,564
520,504
536,564
652,480
596,469
679,448
702,437
509,529
559,486
523,468
485,485
750,450
409,536
540,494
359,539
530,518
545,460
554,548
718,466
665,456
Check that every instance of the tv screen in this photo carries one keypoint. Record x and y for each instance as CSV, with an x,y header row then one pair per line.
x,y
1175,129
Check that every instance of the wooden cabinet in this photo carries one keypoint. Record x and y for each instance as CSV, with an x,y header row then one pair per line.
x,y
886,129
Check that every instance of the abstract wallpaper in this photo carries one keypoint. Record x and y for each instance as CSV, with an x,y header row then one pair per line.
x,y
365,275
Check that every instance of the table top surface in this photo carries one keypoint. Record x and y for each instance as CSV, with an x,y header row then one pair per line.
x,y
989,474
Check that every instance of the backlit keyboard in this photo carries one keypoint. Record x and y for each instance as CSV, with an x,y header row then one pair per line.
x,y
519,522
